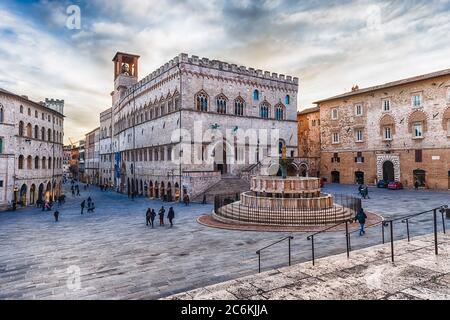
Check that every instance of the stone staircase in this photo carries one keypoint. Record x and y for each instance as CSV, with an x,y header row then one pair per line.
x,y
227,185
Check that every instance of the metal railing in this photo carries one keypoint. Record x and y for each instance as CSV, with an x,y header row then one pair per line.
x,y
258,252
347,238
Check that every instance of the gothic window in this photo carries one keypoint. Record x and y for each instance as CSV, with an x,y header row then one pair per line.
x,y
49,135
201,101
1,145
36,132
49,162
239,106
29,131
43,134
170,106
21,108
21,128
334,114
29,111
36,114
279,112
36,162
29,162
256,95
264,110
162,109
44,163
2,114
221,102
177,103
20,164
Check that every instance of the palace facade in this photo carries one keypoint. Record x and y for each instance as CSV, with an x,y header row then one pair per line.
x,y
308,121
396,131
155,149
31,149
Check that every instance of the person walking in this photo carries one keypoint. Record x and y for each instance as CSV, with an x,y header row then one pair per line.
x,y
148,216
361,218
161,216
78,191
83,204
91,207
171,216
56,215
204,199
366,192
152,217
416,185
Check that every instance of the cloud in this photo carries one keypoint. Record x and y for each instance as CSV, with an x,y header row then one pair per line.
x,y
329,45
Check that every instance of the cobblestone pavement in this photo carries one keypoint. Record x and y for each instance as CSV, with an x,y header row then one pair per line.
x,y
369,274
120,258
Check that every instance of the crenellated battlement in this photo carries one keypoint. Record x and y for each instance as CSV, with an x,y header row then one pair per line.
x,y
213,64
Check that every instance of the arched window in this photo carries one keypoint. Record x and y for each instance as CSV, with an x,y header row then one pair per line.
x,y
36,162
29,163
44,163
2,114
264,110
43,134
20,162
49,135
49,162
279,112
287,99
54,136
221,102
21,108
29,111
36,132
239,106
29,131
21,129
256,95
201,101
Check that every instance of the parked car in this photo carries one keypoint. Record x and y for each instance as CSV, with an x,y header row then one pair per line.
x,y
395,185
382,184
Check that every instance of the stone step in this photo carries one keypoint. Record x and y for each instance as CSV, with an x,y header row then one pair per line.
x,y
227,185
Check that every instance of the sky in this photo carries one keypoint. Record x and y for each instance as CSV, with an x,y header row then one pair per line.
x,y
329,45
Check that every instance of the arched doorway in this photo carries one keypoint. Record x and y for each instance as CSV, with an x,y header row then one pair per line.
x,y
151,191
169,192
335,177
220,156
177,192
41,192
47,192
388,171
128,186
359,177
146,189
23,195
33,194
419,175
156,190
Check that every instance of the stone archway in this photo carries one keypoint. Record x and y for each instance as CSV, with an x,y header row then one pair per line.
x,y
394,159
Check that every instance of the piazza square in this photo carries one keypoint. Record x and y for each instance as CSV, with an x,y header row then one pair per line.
x,y
191,153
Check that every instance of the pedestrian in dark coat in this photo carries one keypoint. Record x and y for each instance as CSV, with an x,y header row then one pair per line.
x,y
171,216
83,204
361,218
148,216
153,216
56,215
161,216
416,185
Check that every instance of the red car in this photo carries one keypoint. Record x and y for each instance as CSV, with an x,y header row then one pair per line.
x,y
395,185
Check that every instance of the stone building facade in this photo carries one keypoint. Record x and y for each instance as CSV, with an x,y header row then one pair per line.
x,y
106,154
92,157
396,131
156,149
31,150
309,141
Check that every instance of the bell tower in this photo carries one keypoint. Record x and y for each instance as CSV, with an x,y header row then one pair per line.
x,y
126,68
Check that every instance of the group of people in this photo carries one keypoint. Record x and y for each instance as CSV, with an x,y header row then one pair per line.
x,y
90,205
150,216
75,190
363,190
